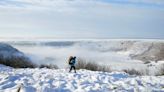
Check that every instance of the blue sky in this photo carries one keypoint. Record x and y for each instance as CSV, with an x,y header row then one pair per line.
x,y
82,18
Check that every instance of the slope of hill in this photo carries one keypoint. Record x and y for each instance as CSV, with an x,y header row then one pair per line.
x,y
11,56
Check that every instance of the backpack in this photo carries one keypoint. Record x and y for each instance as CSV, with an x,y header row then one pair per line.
x,y
70,60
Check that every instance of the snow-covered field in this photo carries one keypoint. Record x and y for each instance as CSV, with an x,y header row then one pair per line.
x,y
47,80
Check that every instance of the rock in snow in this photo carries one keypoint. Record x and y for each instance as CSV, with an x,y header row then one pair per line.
x,y
49,80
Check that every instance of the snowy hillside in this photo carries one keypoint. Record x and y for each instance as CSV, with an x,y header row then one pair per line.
x,y
118,53
7,51
46,80
11,56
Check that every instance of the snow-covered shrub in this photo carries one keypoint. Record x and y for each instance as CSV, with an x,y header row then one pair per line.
x,y
17,62
104,68
161,71
133,72
83,64
147,62
50,66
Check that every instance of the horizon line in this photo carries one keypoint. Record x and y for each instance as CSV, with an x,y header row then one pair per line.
x,y
80,38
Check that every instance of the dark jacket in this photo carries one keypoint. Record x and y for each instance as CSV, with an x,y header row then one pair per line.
x,y
72,62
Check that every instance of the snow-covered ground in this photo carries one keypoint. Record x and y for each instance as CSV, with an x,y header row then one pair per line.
x,y
47,80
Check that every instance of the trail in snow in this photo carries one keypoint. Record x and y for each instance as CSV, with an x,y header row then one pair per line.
x,y
47,80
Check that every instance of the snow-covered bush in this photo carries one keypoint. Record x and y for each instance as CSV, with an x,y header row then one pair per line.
x,y
50,66
147,62
83,64
133,72
17,62
161,71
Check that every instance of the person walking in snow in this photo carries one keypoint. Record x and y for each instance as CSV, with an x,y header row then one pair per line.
x,y
72,61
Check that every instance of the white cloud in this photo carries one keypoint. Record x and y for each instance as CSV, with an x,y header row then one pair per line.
x,y
147,1
59,3
79,18
73,5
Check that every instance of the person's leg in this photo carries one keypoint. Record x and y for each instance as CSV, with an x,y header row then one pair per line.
x,y
74,68
70,69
